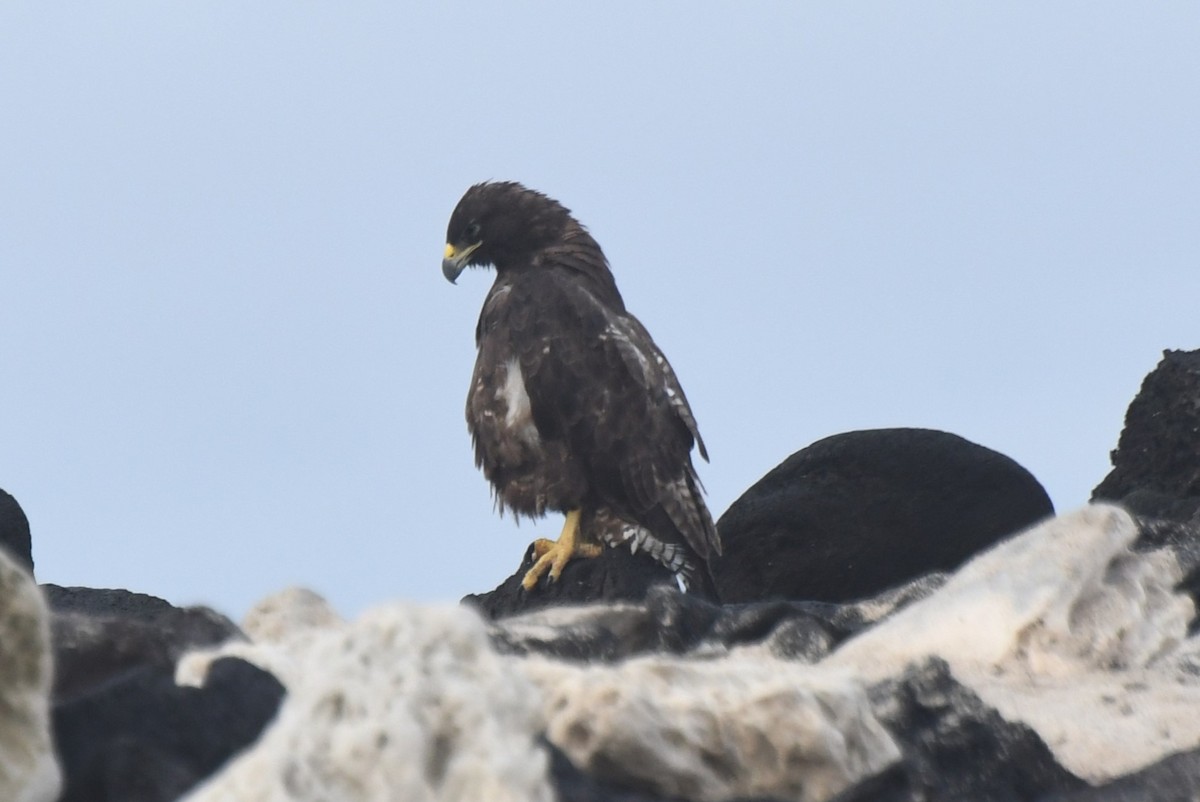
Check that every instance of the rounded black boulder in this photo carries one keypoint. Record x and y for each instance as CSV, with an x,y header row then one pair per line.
x,y
859,512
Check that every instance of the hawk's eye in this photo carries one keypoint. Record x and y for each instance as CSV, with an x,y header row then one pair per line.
x,y
472,232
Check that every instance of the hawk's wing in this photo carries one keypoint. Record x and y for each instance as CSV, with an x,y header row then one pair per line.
x,y
596,380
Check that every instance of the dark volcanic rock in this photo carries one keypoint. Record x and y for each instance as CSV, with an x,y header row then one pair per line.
x,y
108,603
1154,505
14,532
1158,454
1172,779
874,516
665,620
955,747
98,634
668,621
846,518
614,576
1183,539
574,785
1156,465
142,738
860,512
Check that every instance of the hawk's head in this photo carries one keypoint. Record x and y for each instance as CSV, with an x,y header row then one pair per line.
x,y
504,224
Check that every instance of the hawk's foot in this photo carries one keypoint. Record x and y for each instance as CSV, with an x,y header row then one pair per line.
x,y
553,556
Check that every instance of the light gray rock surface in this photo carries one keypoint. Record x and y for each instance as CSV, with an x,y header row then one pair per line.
x,y
28,770
1063,628
405,703
1066,629
714,730
414,703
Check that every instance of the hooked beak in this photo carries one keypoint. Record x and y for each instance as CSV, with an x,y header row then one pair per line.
x,y
455,261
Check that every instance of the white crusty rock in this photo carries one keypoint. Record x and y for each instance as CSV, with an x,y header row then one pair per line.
x,y
413,703
709,731
281,629
279,617
406,703
1068,630
28,770
1063,627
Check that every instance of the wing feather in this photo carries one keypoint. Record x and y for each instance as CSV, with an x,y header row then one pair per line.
x,y
596,379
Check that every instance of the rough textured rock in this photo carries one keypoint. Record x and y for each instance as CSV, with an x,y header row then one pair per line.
x,y
282,629
99,634
1058,655
813,528
669,621
615,576
860,512
666,621
28,772
1172,779
405,703
488,712
123,728
1067,630
713,730
1156,459
1156,465
283,615
573,785
954,747
1183,542
142,737
1066,653
14,532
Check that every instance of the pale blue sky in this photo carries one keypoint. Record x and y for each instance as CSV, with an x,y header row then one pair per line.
x,y
230,362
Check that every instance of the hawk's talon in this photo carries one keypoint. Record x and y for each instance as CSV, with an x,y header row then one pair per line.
x,y
541,546
553,556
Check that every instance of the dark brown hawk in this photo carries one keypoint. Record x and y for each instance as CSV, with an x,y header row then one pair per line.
x,y
572,407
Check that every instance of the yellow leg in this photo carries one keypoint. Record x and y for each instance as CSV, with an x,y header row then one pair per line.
x,y
554,555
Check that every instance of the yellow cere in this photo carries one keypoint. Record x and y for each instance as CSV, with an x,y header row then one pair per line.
x,y
449,251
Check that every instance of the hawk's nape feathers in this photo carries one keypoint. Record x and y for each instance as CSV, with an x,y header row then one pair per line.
x,y
572,406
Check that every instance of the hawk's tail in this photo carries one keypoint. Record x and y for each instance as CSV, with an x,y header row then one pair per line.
x,y
699,580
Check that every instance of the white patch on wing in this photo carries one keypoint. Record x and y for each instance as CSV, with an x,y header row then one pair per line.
x,y
518,415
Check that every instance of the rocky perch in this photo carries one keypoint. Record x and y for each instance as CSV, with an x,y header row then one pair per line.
x,y
904,618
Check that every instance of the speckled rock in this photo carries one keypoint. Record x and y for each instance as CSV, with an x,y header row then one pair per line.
x,y
14,532
98,634
28,770
404,703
